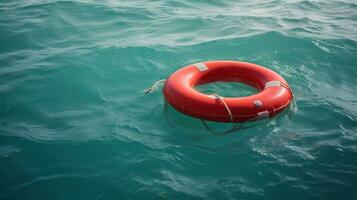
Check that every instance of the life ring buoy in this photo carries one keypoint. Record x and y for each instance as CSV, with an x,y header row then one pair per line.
x,y
275,93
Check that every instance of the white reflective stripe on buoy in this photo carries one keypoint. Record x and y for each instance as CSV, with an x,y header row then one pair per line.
x,y
202,67
212,96
272,84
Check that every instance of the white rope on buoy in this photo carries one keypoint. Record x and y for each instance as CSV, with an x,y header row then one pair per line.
x,y
154,86
234,128
226,106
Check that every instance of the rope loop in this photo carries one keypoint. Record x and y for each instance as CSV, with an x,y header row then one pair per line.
x,y
236,127
231,119
226,106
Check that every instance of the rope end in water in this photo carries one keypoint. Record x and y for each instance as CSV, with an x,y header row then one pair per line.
x,y
154,86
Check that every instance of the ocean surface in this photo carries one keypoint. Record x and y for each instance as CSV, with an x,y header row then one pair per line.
x,y
75,124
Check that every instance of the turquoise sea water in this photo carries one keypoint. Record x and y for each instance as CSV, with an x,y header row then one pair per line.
x,y
74,123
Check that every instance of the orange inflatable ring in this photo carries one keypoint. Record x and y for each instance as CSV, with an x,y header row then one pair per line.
x,y
275,93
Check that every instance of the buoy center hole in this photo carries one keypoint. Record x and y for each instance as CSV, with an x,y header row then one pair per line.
x,y
227,89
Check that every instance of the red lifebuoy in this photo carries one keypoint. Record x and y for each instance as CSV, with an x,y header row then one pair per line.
x,y
275,93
